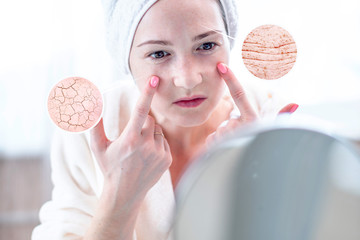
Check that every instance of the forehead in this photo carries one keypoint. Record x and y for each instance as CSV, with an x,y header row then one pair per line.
x,y
167,18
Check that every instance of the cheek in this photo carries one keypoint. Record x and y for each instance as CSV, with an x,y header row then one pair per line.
x,y
209,62
140,71
210,70
142,78
160,104
218,89
213,79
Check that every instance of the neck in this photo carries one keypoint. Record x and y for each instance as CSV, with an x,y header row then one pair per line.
x,y
186,143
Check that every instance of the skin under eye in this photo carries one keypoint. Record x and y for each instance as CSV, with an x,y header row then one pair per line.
x,y
207,46
158,55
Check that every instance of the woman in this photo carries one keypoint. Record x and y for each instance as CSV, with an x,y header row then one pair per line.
x,y
118,182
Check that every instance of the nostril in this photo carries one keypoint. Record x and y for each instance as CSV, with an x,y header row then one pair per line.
x,y
187,73
188,81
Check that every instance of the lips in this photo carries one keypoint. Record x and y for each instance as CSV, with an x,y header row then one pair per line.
x,y
190,102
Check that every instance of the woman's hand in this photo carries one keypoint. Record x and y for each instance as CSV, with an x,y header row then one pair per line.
x,y
131,165
137,159
290,108
237,92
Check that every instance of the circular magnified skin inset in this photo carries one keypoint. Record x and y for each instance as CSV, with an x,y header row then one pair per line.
x,y
75,104
269,52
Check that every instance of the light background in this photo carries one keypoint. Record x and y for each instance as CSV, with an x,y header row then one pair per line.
x,y
44,41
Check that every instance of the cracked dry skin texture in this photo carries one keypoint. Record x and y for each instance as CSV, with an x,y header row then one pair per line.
x,y
75,104
269,52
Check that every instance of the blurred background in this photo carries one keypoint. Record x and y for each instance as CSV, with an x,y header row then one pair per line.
x,y
45,41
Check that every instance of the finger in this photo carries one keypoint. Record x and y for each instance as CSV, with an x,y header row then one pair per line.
x,y
167,147
149,126
98,139
290,108
236,90
142,107
158,134
220,131
210,139
233,123
214,137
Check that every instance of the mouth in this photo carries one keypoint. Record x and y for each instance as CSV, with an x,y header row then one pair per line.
x,y
190,102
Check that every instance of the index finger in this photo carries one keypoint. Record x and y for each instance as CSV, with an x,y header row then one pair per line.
x,y
98,139
236,90
143,105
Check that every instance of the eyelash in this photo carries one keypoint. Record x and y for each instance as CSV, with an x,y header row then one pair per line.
x,y
212,45
152,55
164,53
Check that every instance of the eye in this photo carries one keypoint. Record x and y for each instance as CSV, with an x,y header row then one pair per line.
x,y
207,46
158,54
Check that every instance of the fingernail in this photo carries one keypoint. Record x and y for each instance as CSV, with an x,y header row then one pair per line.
x,y
154,81
293,108
222,68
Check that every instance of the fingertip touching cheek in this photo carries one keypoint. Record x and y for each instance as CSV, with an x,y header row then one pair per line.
x,y
181,42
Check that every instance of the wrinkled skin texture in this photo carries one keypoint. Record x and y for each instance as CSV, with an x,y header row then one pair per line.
x,y
269,52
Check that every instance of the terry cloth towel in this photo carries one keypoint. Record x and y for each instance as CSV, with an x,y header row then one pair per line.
x,y
123,16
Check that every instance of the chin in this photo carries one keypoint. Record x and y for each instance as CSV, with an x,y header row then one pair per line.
x,y
192,121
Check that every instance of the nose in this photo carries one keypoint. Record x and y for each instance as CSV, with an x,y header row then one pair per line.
x,y
187,73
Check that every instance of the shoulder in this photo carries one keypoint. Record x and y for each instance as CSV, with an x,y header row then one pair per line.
x,y
119,101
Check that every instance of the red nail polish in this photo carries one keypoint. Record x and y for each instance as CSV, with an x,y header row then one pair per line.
x,y
222,68
293,108
154,81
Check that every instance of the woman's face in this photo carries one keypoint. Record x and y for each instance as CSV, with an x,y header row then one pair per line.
x,y
176,41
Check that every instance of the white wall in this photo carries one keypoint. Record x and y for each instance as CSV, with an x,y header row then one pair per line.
x,y
44,41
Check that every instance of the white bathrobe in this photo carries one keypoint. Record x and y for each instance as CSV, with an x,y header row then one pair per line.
x,y
78,180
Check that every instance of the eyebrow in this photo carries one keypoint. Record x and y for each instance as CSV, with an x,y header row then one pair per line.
x,y
206,34
196,38
159,42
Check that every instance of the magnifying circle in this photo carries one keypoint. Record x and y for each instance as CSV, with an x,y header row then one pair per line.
x,y
269,52
75,104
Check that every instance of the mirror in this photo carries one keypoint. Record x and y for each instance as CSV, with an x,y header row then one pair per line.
x,y
273,183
